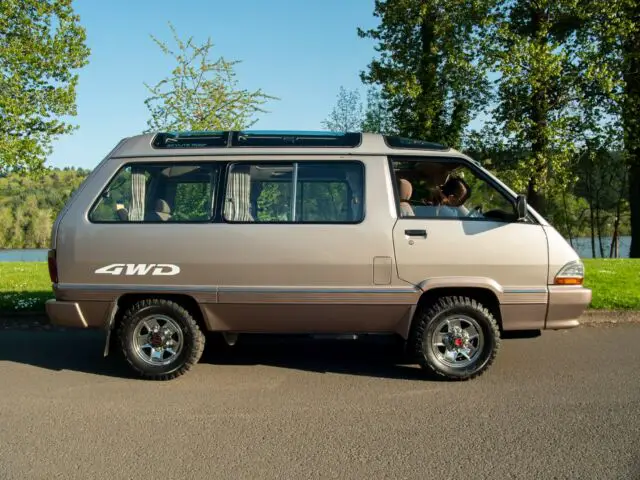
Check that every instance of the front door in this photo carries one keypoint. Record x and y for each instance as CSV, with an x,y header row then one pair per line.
x,y
456,228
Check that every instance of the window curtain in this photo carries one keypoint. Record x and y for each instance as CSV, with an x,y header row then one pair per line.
x,y
355,180
238,201
138,187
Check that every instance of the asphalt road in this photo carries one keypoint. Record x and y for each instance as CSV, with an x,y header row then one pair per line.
x,y
561,405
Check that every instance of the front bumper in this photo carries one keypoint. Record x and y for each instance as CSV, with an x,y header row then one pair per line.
x,y
65,314
566,305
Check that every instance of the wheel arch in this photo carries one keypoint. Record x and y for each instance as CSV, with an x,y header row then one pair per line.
x,y
124,301
484,294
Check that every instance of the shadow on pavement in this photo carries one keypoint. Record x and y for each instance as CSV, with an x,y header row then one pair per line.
x,y
82,351
372,357
79,351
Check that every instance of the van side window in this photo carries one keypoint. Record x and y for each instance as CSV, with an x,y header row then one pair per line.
x,y
295,192
432,188
161,192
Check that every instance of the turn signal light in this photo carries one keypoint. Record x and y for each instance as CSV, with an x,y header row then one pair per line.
x,y
570,274
569,281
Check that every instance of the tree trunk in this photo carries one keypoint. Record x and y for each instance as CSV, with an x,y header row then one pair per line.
x,y
615,241
634,203
593,229
539,114
429,103
613,250
631,118
589,187
599,229
566,216
534,198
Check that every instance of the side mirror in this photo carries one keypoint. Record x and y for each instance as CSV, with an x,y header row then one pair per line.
x,y
521,206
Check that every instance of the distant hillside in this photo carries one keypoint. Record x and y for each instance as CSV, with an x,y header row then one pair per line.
x,y
29,205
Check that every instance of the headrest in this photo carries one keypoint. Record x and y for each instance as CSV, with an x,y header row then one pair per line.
x,y
457,187
404,189
162,206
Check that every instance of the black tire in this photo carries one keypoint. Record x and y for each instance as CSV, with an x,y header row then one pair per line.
x,y
428,319
193,339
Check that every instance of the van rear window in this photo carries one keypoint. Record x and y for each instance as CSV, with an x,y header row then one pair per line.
x,y
154,193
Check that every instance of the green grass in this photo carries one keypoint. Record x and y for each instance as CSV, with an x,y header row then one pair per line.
x,y
615,284
24,286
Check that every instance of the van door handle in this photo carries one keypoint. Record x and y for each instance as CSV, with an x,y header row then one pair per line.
x,y
416,233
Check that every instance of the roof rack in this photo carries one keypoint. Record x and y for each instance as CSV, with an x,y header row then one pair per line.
x,y
256,138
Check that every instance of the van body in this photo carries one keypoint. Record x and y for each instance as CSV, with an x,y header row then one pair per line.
x,y
177,234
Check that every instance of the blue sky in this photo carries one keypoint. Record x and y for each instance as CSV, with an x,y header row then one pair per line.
x,y
299,51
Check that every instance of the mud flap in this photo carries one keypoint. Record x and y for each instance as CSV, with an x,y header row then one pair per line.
x,y
109,326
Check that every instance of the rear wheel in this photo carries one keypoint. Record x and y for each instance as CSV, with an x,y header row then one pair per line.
x,y
456,338
160,339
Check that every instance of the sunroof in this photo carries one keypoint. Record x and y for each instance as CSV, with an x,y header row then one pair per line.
x,y
394,141
200,139
271,138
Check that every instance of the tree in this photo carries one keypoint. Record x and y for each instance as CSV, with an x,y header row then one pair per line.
x,y
201,94
349,114
428,68
346,115
377,118
631,117
613,40
41,46
531,47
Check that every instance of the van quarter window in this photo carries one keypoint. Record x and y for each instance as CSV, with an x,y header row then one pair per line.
x,y
295,192
158,193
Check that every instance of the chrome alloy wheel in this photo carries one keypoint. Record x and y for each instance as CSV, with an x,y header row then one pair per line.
x,y
457,341
158,340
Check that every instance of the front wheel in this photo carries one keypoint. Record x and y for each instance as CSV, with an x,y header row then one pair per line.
x,y
160,339
456,338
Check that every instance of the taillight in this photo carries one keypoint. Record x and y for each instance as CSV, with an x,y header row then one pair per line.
x,y
53,266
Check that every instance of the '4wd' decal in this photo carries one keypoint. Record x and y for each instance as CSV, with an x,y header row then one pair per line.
x,y
139,269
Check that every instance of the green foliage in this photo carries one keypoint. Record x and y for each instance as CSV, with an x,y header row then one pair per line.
x,y
346,116
377,118
531,46
428,68
615,283
350,115
29,205
37,78
326,201
323,201
24,286
201,94
192,201
274,202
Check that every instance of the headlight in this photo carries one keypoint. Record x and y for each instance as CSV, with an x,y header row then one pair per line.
x,y
571,274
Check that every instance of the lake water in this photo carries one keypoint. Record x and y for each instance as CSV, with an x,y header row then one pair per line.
x,y
23,255
582,246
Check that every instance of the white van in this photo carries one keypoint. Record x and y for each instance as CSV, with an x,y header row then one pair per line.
x,y
176,234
